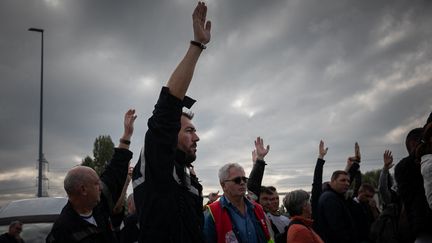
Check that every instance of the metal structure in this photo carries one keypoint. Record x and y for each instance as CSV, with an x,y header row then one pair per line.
x,y
43,163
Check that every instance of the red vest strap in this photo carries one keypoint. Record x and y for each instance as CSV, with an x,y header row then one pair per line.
x,y
221,220
259,213
223,224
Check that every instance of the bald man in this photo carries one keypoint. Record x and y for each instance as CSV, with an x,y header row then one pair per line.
x,y
86,216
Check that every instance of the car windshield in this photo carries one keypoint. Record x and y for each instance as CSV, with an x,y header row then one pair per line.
x,y
35,232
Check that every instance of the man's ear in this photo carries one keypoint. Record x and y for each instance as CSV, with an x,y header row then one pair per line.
x,y
83,190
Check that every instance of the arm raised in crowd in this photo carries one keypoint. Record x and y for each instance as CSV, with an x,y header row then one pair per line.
x,y
257,172
353,169
317,178
115,173
383,183
182,75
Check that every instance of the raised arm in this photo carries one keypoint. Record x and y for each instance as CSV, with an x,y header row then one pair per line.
x,y
121,200
257,172
114,175
182,75
383,186
129,120
317,178
353,169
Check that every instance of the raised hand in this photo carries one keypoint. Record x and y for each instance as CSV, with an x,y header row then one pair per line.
x,y
200,26
261,151
388,160
129,120
357,152
254,156
322,150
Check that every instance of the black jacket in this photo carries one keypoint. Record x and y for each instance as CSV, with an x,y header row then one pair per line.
x,y
317,187
70,227
255,178
168,201
130,231
411,190
7,238
334,220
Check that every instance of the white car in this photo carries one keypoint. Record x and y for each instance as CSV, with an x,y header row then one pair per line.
x,y
36,214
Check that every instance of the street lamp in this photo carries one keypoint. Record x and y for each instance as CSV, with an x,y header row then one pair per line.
x,y
41,158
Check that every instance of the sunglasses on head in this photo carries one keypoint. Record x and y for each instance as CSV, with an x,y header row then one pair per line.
x,y
239,179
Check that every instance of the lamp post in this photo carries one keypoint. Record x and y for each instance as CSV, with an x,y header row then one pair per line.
x,y
41,158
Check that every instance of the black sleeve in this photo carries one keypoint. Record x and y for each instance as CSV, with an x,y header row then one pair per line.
x,y
114,175
355,177
255,177
317,185
412,194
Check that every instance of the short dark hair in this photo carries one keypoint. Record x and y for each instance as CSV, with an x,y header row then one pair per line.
x,y
414,135
188,114
267,190
13,223
272,188
337,173
366,187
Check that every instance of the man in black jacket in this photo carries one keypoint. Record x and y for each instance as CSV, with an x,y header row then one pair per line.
x,y
334,220
411,190
86,216
169,200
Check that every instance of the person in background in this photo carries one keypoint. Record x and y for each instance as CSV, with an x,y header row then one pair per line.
x,y
334,220
86,216
424,155
233,218
269,200
13,234
299,208
411,190
130,232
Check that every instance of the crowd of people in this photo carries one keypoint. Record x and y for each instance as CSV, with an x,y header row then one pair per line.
x,y
167,200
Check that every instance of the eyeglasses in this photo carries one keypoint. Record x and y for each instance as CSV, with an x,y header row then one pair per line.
x,y
239,179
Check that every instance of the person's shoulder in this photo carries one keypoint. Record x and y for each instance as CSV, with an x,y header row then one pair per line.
x,y
404,166
297,231
66,217
327,194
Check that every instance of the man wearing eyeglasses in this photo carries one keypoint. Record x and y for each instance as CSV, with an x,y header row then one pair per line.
x,y
234,218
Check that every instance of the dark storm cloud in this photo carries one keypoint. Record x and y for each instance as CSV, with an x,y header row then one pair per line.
x,y
293,72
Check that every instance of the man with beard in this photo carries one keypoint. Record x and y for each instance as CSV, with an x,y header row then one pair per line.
x,y
168,199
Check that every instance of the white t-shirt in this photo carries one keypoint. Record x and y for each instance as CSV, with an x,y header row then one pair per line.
x,y
279,221
89,218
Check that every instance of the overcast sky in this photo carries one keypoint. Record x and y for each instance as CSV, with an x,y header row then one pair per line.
x,y
292,72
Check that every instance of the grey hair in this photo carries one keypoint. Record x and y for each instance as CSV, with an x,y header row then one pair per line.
x,y
224,171
15,222
72,180
294,202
